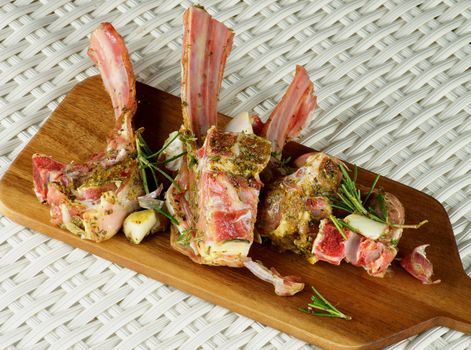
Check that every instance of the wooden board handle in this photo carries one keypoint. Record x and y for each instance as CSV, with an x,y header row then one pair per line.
x,y
459,307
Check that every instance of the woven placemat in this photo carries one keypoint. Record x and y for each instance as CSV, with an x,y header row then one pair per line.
x,y
394,88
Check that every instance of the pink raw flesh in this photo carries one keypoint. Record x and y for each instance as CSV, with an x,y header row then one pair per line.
x,y
228,200
375,257
45,169
352,248
329,244
229,226
56,198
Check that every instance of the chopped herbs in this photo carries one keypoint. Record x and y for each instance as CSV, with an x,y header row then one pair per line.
x,y
281,162
143,151
320,306
188,140
184,238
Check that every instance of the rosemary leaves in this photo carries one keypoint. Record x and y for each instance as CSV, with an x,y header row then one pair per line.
x,y
349,199
320,306
148,163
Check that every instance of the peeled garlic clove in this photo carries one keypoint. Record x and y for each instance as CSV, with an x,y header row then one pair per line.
x,y
141,223
240,123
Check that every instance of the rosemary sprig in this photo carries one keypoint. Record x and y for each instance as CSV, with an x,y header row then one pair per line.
x,y
320,306
143,150
146,162
165,146
420,224
157,208
285,161
349,194
167,176
373,185
171,159
339,225
349,199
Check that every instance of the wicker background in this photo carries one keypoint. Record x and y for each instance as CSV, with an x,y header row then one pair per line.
x,y
394,88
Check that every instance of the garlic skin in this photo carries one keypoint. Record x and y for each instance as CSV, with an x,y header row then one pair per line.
x,y
418,265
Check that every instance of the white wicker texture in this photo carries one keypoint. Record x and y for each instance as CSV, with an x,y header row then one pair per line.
x,y
394,88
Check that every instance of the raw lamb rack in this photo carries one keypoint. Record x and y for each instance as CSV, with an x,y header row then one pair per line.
x,y
92,199
214,197
295,210
291,206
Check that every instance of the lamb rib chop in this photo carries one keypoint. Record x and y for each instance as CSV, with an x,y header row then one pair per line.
x,y
291,206
214,197
294,209
92,199
295,213
216,190
222,191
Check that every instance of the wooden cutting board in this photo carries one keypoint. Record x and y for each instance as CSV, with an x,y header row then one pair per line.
x,y
384,310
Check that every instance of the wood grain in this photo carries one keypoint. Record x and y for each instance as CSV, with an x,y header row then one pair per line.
x,y
384,310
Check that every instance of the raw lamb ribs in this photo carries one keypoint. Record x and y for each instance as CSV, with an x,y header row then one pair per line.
x,y
92,199
215,195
